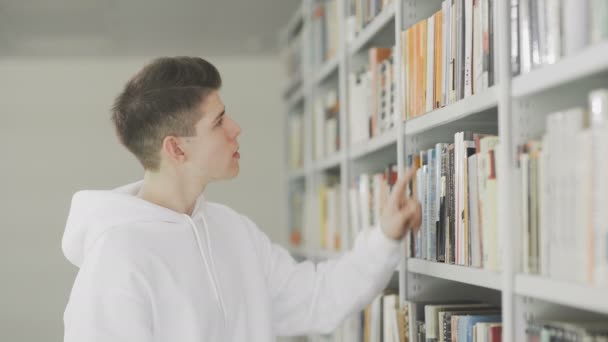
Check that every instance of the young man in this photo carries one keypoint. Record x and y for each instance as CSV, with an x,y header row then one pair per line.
x,y
160,263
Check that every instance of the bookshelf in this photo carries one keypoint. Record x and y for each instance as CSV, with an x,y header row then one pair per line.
x,y
515,108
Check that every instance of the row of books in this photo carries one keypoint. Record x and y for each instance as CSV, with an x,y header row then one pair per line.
x,y
325,30
563,331
372,96
361,13
384,321
296,140
448,56
564,195
544,31
456,184
462,322
326,124
367,196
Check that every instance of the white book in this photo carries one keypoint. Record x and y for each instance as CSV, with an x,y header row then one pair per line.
x,y
584,257
474,226
389,303
525,52
600,203
459,196
468,48
525,207
432,224
543,193
575,28
553,31
598,104
430,62
477,47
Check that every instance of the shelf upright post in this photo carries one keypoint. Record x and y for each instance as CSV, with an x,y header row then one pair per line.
x,y
506,167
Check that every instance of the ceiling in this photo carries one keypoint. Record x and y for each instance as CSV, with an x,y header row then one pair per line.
x,y
141,27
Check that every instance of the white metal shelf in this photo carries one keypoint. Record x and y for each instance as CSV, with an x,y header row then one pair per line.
x,y
330,162
561,292
462,274
589,62
372,29
327,69
453,112
378,142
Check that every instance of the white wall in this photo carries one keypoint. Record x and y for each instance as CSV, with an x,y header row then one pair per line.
x,y
56,138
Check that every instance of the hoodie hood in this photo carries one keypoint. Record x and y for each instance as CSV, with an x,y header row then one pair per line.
x,y
93,212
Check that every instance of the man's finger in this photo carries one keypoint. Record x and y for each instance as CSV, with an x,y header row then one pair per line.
x,y
399,189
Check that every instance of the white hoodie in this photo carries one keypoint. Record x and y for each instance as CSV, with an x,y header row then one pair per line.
x,y
148,273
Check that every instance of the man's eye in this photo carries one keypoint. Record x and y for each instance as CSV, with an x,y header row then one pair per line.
x,y
219,122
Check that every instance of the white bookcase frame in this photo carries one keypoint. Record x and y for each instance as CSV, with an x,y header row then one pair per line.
x,y
515,109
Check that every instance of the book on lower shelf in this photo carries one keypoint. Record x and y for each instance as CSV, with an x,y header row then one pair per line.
x,y
448,56
456,186
563,185
456,321
372,96
327,234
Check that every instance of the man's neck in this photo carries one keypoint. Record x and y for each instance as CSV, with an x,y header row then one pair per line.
x,y
169,191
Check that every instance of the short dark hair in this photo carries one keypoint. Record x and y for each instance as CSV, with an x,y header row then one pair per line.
x,y
161,100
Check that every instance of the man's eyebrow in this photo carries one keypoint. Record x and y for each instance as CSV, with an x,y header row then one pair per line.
x,y
220,115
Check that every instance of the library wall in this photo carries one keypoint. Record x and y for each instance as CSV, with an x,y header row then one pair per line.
x,y
65,143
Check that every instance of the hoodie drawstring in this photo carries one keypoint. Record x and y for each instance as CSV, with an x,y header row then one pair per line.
x,y
209,266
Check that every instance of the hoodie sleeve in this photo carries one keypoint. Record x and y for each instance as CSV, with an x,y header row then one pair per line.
x,y
308,298
109,301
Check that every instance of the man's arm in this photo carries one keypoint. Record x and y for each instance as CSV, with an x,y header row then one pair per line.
x,y
308,298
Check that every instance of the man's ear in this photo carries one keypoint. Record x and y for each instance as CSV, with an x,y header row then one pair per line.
x,y
173,149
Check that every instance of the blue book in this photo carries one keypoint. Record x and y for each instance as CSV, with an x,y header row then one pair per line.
x,y
466,323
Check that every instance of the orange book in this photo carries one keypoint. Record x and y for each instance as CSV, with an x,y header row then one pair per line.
x,y
411,33
422,67
404,73
418,70
438,59
376,57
